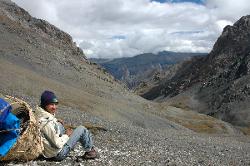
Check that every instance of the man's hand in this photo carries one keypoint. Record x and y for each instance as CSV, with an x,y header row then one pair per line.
x,y
60,121
69,131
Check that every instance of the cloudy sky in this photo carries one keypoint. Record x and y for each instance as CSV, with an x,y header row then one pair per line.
x,y
121,28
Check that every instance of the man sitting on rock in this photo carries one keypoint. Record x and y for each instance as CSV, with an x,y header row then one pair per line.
x,y
56,140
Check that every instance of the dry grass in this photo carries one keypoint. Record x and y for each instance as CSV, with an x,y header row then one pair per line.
x,y
20,80
201,126
197,122
94,128
245,130
180,105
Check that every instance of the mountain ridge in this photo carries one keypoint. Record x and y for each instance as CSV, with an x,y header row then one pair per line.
x,y
134,70
217,75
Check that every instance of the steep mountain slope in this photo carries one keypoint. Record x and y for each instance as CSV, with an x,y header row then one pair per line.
x,y
155,78
217,84
134,70
36,55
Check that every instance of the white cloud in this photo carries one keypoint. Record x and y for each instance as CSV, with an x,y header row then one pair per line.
x,y
117,28
222,23
230,10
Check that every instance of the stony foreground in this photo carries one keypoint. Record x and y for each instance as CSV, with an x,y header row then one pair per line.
x,y
124,144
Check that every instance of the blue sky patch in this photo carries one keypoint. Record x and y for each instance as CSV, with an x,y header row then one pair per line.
x,y
120,37
186,32
179,1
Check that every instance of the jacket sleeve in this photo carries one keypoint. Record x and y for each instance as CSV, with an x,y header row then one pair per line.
x,y
53,137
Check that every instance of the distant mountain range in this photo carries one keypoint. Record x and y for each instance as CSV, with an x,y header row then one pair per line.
x,y
134,70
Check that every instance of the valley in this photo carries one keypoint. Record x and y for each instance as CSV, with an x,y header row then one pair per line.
x,y
168,129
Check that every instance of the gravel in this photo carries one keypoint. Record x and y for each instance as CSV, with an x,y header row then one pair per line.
x,y
125,144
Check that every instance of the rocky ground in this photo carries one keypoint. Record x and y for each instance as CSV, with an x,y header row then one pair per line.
x,y
124,144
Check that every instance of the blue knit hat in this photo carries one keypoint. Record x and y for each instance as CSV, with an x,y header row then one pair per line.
x,y
48,97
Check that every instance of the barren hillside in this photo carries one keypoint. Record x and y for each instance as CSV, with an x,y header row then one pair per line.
x,y
35,56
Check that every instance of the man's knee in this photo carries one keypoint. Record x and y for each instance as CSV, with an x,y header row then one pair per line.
x,y
82,128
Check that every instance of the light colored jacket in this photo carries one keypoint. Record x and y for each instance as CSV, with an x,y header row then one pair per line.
x,y
52,140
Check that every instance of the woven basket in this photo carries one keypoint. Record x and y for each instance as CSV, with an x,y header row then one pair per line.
x,y
29,144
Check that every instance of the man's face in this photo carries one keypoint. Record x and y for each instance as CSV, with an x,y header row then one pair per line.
x,y
51,108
